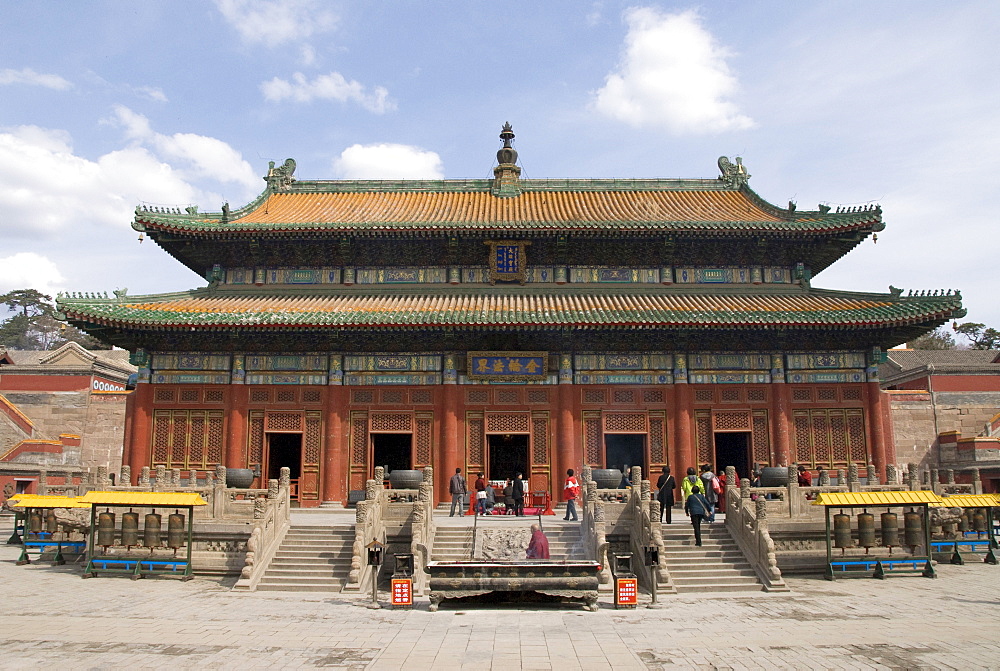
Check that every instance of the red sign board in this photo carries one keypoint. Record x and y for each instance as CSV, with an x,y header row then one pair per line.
x,y
626,591
402,591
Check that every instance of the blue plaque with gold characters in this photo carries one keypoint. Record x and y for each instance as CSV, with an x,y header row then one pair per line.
x,y
507,260
508,366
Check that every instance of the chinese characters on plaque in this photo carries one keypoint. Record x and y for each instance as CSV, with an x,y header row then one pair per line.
x,y
508,366
507,260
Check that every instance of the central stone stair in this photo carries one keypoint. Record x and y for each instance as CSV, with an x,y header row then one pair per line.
x,y
716,566
453,542
311,558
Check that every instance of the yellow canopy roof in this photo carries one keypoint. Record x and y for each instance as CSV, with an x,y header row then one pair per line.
x,y
45,501
971,501
165,499
875,498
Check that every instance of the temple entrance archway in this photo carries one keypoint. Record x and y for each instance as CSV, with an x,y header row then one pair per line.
x,y
392,450
733,449
508,454
283,450
625,449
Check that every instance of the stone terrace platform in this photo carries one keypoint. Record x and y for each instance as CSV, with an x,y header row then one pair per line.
x,y
53,617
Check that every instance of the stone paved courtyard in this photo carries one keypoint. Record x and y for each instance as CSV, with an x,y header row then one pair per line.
x,y
52,617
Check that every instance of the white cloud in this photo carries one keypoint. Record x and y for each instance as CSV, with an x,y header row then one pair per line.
x,y
333,86
29,76
276,22
388,161
28,270
152,93
673,74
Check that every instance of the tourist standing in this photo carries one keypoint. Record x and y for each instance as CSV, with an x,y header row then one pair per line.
x,y
508,497
689,482
480,494
710,488
697,507
456,487
665,486
571,491
538,547
518,493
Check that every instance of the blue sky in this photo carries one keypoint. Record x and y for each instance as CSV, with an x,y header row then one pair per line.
x,y
104,105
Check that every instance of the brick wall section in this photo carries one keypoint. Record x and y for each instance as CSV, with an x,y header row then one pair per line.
x,y
10,434
918,417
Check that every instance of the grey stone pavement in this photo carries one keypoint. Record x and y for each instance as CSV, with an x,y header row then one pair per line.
x,y
52,618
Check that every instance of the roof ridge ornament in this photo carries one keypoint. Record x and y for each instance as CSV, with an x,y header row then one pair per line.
x,y
280,178
507,175
734,175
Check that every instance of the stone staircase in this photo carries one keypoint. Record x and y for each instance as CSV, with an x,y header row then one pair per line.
x,y
716,566
452,543
311,558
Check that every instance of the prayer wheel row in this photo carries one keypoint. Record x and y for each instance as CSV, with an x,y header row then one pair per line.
x,y
913,530
152,531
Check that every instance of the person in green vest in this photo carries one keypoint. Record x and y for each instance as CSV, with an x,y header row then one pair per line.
x,y
691,480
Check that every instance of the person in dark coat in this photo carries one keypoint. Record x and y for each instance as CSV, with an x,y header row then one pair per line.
x,y
665,486
518,493
697,507
538,548
456,487
508,497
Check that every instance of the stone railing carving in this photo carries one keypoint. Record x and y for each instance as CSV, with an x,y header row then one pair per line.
x,y
594,534
746,521
368,527
272,519
647,532
422,531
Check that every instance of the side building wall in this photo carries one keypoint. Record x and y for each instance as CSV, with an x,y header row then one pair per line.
x,y
919,416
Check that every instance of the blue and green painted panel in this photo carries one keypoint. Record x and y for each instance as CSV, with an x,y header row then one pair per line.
x,y
192,361
283,275
610,274
289,362
189,378
285,378
614,378
729,361
375,379
652,361
378,363
826,376
823,360
729,378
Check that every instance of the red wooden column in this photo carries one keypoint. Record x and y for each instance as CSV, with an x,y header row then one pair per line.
x,y
236,429
335,450
782,424
876,426
567,453
449,441
684,428
142,428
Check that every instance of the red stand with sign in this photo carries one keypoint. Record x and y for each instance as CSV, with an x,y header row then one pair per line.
x,y
402,592
626,592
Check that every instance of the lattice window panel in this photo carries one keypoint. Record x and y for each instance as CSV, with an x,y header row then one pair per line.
x,y
851,393
730,395
477,397
391,422
392,397
592,441
284,421
163,395
732,420
625,422
260,396
196,451
161,437
657,445
821,435
595,396
801,395
423,440
704,396
311,396
214,396
652,396
189,396
284,396
510,422
756,395
216,439
313,439
178,436
508,397
359,440
421,396
703,431
826,394
255,449
624,396
540,440
761,438
363,396
476,429
538,396
839,451
803,436
856,434
186,438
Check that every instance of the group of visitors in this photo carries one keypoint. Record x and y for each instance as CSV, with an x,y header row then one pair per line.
x,y
700,494
513,494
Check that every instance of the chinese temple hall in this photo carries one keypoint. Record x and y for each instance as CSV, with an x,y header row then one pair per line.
x,y
503,325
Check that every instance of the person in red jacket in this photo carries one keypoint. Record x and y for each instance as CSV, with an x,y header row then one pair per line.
x,y
538,548
571,491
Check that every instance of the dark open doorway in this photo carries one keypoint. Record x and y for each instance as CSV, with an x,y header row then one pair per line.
x,y
392,450
508,455
625,449
733,449
284,450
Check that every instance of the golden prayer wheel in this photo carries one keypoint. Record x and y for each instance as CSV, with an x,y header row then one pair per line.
x,y
979,520
106,528
963,521
152,535
51,523
35,522
866,530
842,531
913,529
175,531
130,529
890,530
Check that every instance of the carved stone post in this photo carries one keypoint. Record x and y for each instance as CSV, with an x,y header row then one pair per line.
x,y
125,477
794,495
272,489
977,483
259,507
102,477
731,477
645,489
950,475
220,475
379,475
912,477
586,476
636,475
891,475
194,478
285,477
824,478
209,478
872,475
161,478
761,513
43,482
144,476
853,481
175,478
935,480
841,477
590,492
745,490
429,475
372,488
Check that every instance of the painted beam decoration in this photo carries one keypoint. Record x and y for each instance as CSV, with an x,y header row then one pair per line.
x,y
508,366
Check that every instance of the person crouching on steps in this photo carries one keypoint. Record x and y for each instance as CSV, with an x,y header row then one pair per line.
x,y
697,507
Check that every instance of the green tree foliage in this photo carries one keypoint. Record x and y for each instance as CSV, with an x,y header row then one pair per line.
x,y
939,339
31,324
979,335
